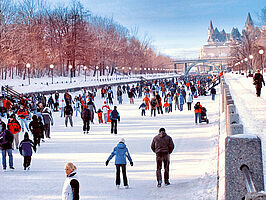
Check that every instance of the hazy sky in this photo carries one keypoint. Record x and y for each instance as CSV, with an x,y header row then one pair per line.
x,y
177,28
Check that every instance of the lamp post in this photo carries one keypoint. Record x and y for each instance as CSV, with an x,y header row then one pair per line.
x,y
97,67
251,57
123,68
262,66
28,66
85,70
116,73
70,68
107,67
52,69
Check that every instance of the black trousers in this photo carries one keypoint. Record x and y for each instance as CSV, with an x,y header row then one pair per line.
x,y
188,105
114,126
86,125
47,130
160,110
258,91
118,174
143,113
162,158
153,111
27,160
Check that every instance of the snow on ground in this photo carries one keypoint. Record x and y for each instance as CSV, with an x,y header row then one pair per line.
x,y
251,108
192,169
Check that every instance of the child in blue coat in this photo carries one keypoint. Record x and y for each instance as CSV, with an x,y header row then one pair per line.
x,y
25,149
121,152
143,108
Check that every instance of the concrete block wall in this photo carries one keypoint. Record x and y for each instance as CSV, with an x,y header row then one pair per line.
x,y
238,150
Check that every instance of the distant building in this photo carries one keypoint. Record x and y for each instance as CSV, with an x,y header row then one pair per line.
x,y
219,43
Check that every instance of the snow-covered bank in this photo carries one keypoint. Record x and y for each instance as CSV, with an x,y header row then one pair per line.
x,y
62,83
192,168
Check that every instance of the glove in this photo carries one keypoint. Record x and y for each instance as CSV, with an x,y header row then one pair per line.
x,y
131,163
52,124
106,163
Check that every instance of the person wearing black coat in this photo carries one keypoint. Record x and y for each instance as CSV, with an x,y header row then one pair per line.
x,y
213,93
68,113
6,141
257,81
36,130
86,117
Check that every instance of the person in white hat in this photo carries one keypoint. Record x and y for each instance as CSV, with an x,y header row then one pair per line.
x,y
121,152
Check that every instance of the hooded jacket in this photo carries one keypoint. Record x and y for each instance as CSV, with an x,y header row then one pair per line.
x,y
26,145
162,143
121,152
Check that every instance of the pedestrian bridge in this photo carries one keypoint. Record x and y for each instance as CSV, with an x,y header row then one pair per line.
x,y
211,63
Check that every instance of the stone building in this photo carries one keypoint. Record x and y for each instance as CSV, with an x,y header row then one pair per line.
x,y
219,43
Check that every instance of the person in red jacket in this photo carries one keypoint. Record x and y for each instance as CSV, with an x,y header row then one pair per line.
x,y
14,127
197,110
22,115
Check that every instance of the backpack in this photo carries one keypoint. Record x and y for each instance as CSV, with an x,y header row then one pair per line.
x,y
153,102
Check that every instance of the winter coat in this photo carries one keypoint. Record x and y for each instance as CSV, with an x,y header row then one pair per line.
x,y
114,115
13,126
35,128
86,114
121,152
197,108
154,103
162,143
142,106
190,98
47,117
25,147
105,108
71,187
6,140
181,100
213,91
68,110
258,80
22,113
91,106
130,94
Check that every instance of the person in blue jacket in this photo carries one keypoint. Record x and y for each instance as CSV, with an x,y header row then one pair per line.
x,y
181,101
25,149
121,152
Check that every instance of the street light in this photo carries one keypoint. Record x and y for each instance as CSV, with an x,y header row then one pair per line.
x,y
70,68
116,68
85,69
28,66
107,67
97,67
261,52
251,57
52,69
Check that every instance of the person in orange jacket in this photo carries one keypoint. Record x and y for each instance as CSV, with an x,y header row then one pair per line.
x,y
22,115
166,107
197,110
147,102
100,116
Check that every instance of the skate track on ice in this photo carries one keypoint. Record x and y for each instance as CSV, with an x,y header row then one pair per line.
x,y
192,169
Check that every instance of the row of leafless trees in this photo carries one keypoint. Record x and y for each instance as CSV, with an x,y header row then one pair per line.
x,y
31,32
246,53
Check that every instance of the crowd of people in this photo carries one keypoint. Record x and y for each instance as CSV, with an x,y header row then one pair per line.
x,y
33,114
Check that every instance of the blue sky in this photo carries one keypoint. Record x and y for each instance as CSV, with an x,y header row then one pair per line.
x,y
177,28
